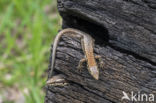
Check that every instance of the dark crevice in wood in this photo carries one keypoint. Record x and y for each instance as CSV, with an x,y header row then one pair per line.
x,y
120,15
150,3
98,32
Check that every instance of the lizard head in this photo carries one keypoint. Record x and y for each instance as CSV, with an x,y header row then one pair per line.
x,y
94,72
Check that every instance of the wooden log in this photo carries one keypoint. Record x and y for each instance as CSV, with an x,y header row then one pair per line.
x,y
131,24
122,72
125,35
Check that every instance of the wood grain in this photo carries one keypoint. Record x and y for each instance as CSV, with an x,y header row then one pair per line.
x,y
125,37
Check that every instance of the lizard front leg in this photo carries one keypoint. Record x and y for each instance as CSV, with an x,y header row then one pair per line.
x,y
81,63
100,61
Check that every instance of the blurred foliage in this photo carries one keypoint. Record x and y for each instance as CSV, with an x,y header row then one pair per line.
x,y
27,28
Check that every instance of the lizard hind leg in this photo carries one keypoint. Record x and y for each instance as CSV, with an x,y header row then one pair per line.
x,y
100,61
81,64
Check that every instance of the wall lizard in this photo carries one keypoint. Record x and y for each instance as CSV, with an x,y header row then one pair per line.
x,y
87,43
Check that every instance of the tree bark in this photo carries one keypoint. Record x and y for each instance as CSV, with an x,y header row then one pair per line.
x,y
125,37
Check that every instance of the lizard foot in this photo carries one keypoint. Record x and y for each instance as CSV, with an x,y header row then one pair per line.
x,y
100,61
80,66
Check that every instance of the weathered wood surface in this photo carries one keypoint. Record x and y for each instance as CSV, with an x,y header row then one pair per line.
x,y
125,35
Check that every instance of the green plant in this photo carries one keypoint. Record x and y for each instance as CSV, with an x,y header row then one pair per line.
x,y
27,29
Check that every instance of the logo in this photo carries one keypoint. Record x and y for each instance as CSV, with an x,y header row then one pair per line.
x,y
138,97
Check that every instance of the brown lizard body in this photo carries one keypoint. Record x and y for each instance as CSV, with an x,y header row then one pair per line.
x,y
87,45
